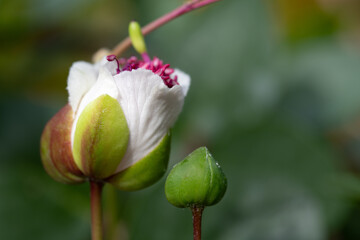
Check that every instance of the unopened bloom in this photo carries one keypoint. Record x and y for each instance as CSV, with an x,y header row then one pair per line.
x,y
116,125
196,181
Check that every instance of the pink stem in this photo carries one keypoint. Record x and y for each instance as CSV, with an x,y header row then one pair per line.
x,y
96,212
146,57
185,8
197,215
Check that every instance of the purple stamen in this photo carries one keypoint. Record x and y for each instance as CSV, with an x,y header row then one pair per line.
x,y
158,72
155,65
156,62
111,58
122,61
132,59
169,71
146,65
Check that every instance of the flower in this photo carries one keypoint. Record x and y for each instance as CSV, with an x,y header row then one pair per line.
x,y
198,180
116,127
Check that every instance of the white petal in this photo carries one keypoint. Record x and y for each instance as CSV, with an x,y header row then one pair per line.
x,y
183,79
150,108
105,84
81,78
104,63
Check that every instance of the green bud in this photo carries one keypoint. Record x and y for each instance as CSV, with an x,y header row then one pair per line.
x,y
197,180
101,138
137,37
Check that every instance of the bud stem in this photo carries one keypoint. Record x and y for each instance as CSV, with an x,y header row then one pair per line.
x,y
96,212
185,8
197,215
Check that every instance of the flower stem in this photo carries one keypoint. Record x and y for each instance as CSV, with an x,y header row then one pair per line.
x,y
197,214
96,212
185,8
110,210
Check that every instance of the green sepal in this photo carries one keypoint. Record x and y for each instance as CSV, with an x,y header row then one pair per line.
x,y
55,148
101,138
197,180
146,171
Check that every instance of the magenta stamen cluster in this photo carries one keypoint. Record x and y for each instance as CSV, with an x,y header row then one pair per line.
x,y
156,66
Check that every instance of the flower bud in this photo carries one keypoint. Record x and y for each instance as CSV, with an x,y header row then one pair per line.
x,y
137,39
55,148
196,181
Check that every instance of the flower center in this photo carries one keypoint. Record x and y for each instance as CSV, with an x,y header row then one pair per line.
x,y
156,66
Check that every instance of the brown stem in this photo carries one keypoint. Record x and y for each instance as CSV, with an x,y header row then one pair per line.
x,y
185,8
197,214
96,212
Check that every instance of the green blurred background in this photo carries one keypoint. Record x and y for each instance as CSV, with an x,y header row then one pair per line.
x,y
274,96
